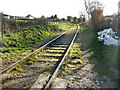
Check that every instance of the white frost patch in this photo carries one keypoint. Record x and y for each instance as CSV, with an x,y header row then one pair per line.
x,y
109,37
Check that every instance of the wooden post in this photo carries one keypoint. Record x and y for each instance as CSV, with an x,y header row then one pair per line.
x,y
1,23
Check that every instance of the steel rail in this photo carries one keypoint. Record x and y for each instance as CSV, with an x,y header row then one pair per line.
x,y
7,68
55,72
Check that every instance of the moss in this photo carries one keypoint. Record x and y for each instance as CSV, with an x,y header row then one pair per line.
x,y
64,73
47,73
18,68
81,61
70,65
63,26
28,85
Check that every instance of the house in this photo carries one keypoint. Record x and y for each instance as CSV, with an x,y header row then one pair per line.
x,y
22,17
30,16
14,17
110,17
5,16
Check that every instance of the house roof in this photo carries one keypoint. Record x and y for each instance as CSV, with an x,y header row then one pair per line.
x,y
5,15
29,15
109,16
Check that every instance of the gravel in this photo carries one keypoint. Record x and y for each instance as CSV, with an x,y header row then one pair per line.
x,y
83,78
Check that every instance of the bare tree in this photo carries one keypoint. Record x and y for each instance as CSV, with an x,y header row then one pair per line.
x,y
87,5
95,10
91,6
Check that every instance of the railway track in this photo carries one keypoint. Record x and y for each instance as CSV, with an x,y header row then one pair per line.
x,y
39,68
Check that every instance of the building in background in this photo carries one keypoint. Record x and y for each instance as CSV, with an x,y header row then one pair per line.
x,y
30,16
5,16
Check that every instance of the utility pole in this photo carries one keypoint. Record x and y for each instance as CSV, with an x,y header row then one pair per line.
x,y
118,18
1,24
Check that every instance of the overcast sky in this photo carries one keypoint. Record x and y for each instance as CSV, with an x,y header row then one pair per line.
x,y
62,8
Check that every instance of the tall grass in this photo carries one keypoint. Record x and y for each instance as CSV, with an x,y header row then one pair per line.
x,y
32,35
26,40
104,57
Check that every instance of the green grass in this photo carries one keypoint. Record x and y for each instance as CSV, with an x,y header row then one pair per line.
x,y
103,56
69,66
47,73
17,20
31,36
108,55
79,60
16,46
63,26
26,38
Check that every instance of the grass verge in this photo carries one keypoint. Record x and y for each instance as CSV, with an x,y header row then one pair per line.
x,y
18,45
104,57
